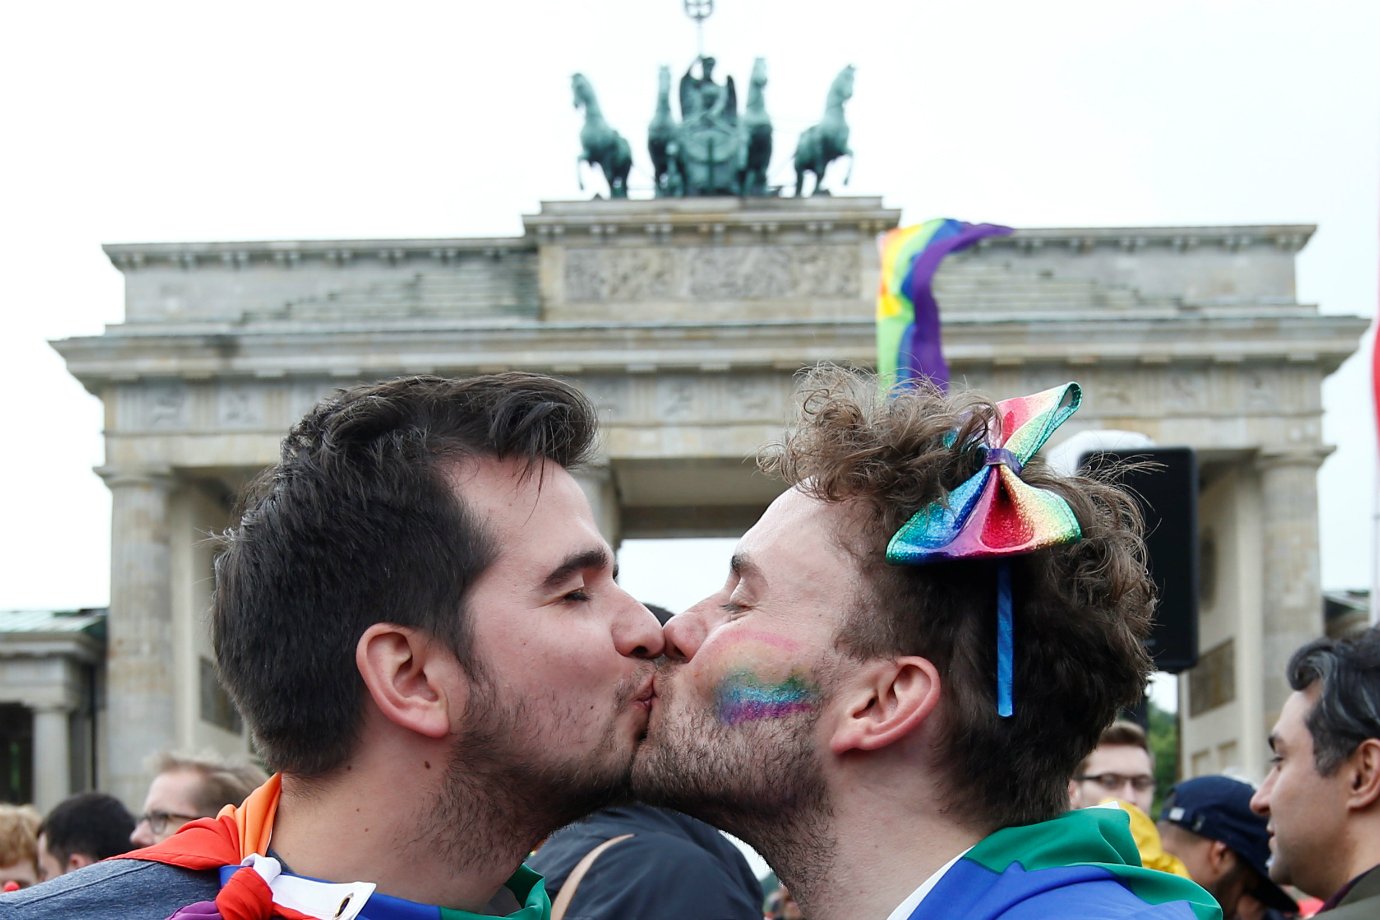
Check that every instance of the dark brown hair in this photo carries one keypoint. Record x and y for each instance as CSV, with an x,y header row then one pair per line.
x,y
358,524
92,824
1348,708
1082,611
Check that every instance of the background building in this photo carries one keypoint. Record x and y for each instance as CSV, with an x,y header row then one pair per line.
x,y
685,322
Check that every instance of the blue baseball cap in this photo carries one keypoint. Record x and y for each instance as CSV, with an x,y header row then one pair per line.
x,y
1219,808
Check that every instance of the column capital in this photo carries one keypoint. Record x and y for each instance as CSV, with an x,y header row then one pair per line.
x,y
1311,456
156,476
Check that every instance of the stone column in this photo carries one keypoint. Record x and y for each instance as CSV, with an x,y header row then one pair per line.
x,y
1291,611
52,755
599,487
139,671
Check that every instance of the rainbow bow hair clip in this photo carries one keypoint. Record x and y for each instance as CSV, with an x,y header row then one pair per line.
x,y
995,514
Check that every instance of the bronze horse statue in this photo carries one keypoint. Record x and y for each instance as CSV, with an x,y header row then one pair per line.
x,y
603,146
661,139
754,156
821,144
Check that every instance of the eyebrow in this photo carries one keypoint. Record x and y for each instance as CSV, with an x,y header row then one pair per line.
x,y
577,562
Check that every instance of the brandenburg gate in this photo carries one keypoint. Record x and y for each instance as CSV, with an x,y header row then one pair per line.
x,y
685,319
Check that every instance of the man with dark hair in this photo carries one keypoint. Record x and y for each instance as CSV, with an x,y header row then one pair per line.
x,y
418,618
190,786
1207,823
1322,794
915,646
80,830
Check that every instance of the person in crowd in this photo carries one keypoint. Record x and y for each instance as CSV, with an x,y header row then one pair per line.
x,y
18,846
914,648
1207,823
637,860
1120,767
418,619
80,830
1321,798
186,787
782,905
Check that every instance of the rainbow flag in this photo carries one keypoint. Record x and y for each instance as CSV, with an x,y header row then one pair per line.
x,y
1081,864
908,342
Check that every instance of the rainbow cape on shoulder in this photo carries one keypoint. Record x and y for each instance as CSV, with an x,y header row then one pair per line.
x,y
1082,864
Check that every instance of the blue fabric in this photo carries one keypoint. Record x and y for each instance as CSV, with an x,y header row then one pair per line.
x,y
974,892
121,889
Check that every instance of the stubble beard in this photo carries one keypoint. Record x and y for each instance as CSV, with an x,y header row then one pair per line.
x,y
760,781
508,786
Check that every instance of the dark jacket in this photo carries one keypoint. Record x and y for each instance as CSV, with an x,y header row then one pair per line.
x,y
1362,902
672,868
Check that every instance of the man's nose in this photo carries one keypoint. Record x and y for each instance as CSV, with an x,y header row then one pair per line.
x,y
640,635
684,634
141,836
1260,801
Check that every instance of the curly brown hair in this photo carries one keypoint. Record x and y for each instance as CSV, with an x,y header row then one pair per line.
x,y
1082,611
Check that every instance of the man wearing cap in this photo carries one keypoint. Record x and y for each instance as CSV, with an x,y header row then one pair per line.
x,y
1322,794
1207,822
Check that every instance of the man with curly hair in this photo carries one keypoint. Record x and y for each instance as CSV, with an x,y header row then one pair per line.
x,y
916,645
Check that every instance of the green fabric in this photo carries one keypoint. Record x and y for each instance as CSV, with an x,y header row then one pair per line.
x,y
1090,836
530,890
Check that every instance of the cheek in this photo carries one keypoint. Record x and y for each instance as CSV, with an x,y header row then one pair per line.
x,y
746,696
753,675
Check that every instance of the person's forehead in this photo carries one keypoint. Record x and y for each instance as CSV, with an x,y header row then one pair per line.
x,y
1118,758
797,525
1292,727
797,547
537,517
174,791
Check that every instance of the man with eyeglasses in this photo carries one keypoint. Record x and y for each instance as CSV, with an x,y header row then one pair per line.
x,y
187,787
1120,767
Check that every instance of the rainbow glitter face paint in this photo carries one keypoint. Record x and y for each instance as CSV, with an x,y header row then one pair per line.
x,y
743,697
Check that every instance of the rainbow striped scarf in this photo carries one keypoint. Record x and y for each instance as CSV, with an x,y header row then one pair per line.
x,y
235,843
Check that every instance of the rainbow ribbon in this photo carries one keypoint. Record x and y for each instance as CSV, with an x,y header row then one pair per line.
x,y
995,514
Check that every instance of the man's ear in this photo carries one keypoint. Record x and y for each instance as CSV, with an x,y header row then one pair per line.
x,y
78,861
410,676
1220,857
888,701
1364,768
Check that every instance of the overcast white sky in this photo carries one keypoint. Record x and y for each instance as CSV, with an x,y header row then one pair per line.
x,y
140,122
